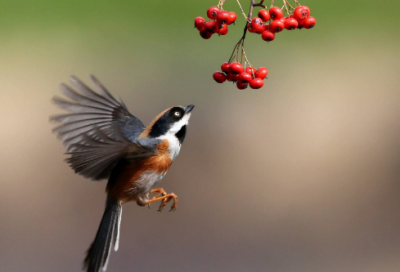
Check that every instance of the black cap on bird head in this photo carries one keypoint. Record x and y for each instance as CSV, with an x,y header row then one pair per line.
x,y
172,121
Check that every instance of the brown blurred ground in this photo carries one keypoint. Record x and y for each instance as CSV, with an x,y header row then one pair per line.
x,y
302,175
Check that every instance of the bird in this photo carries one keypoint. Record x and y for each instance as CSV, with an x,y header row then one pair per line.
x,y
103,140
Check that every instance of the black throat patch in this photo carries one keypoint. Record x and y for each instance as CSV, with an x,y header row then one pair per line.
x,y
181,134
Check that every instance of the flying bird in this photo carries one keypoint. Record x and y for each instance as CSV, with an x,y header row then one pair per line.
x,y
105,141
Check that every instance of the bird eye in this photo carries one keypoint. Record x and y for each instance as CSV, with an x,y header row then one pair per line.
x,y
177,114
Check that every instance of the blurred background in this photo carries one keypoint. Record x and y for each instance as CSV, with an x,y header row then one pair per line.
x,y
301,175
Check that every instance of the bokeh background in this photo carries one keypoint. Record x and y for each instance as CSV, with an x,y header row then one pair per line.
x,y
301,175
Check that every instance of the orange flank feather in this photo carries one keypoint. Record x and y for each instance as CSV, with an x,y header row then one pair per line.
x,y
159,163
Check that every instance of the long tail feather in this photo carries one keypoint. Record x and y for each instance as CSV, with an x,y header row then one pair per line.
x,y
107,237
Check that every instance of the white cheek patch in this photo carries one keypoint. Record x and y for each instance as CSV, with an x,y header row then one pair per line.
x,y
178,125
174,144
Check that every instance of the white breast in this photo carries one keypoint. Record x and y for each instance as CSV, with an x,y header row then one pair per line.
x,y
174,145
148,180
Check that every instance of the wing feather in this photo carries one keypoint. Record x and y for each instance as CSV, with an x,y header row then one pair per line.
x,y
98,131
92,94
88,109
84,100
64,118
97,154
103,89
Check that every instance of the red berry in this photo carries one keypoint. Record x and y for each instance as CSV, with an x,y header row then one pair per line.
x,y
251,30
245,77
205,34
309,22
241,85
261,30
223,17
257,24
298,13
268,36
211,26
212,12
236,68
276,26
233,77
256,83
232,18
225,67
261,72
250,70
291,24
275,13
307,10
199,22
301,24
301,12
264,15
230,77
219,77
223,29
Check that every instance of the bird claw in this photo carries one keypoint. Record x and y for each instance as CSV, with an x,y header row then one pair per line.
x,y
164,199
164,202
175,199
173,208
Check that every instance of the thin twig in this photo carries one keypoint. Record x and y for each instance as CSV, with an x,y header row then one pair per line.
x,y
240,43
245,57
241,9
289,5
221,4
286,8
252,3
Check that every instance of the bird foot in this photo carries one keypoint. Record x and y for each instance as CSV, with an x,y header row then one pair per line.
x,y
164,198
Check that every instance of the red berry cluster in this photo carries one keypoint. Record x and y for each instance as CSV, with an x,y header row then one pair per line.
x,y
299,19
270,21
220,20
234,72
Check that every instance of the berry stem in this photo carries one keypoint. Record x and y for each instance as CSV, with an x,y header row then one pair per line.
x,y
284,4
241,58
287,3
240,43
221,4
288,7
245,56
241,9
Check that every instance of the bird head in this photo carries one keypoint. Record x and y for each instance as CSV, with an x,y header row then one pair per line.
x,y
170,123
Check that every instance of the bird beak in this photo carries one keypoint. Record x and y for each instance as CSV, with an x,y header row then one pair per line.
x,y
188,108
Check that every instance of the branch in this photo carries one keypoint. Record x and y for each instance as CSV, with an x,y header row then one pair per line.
x,y
240,43
252,5
259,4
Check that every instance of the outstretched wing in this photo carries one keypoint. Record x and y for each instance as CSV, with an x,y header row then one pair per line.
x,y
98,153
90,109
98,131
